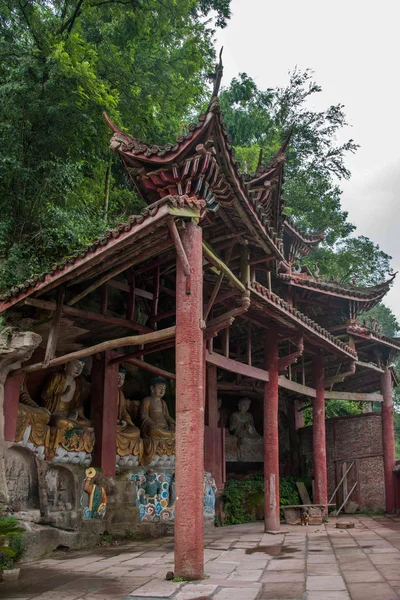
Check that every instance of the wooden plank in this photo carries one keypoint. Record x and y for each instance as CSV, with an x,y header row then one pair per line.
x,y
301,488
222,267
236,367
83,314
132,340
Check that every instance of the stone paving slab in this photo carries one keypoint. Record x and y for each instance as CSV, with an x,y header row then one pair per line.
x,y
241,563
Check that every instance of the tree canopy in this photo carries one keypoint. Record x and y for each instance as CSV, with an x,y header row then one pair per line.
x,y
260,121
63,62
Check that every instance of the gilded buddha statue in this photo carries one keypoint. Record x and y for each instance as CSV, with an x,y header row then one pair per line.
x,y
30,413
129,441
61,397
157,426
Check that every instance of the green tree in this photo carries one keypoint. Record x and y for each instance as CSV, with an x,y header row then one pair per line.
x,y
145,62
259,122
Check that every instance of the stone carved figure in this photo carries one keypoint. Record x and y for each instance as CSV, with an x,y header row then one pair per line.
x,y
94,498
241,425
61,397
210,488
157,426
30,414
128,435
59,485
22,480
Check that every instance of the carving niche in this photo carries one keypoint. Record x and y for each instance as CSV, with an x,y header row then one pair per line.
x,y
22,479
60,489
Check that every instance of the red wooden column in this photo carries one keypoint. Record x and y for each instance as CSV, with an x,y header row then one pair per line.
x,y
11,399
104,412
389,459
271,434
189,469
319,437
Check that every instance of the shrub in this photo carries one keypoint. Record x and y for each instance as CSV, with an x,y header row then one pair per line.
x,y
244,499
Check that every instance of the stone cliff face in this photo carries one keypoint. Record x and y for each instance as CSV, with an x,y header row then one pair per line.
x,y
15,348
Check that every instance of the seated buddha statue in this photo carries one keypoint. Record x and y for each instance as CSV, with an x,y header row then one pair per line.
x,y
157,426
241,425
30,413
128,435
61,397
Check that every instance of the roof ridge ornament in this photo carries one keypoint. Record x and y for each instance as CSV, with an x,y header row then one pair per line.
x,y
219,71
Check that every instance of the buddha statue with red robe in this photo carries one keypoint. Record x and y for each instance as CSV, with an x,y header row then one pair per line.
x,y
33,415
61,397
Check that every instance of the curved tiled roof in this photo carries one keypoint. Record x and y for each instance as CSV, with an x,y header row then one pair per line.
x,y
358,328
367,294
122,228
299,317
311,239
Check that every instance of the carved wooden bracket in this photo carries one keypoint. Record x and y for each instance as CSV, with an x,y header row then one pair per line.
x,y
292,358
226,319
339,377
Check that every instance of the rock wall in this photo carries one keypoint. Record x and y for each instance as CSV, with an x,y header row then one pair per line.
x,y
50,498
355,438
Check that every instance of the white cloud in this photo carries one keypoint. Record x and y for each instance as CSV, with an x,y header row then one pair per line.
x,y
353,47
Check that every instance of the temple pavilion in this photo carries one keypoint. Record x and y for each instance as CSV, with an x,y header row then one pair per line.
x,y
203,289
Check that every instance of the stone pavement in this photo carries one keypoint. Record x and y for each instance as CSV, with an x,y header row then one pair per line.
x,y
242,563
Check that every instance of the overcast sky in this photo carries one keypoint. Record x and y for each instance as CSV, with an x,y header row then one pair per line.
x,y
353,49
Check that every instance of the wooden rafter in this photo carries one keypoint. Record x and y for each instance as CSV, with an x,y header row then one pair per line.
x,y
89,316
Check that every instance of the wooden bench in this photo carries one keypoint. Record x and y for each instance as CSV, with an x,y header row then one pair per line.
x,y
293,512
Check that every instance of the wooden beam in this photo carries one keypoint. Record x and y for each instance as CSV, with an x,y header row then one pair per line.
x,y
222,267
104,299
180,252
360,363
145,351
229,236
99,282
217,285
93,258
228,364
148,367
55,329
133,340
83,314
293,386
156,295
264,259
130,309
353,396
124,287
